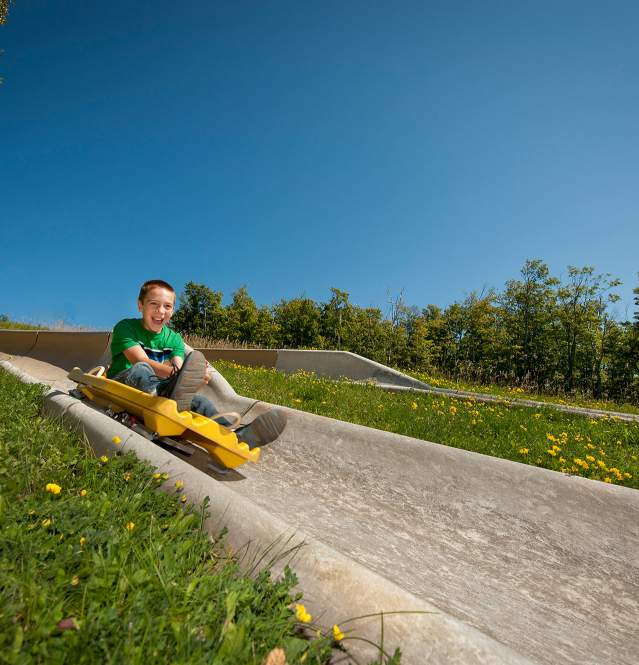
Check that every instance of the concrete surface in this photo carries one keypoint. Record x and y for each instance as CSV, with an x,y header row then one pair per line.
x,y
522,564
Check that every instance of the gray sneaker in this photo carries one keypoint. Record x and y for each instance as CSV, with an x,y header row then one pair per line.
x,y
264,429
186,382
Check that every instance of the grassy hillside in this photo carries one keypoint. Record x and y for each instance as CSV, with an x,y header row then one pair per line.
x,y
96,566
602,449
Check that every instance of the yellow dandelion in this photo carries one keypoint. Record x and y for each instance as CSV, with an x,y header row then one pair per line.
x,y
117,440
183,498
590,458
607,479
157,476
536,415
83,492
83,540
552,452
104,459
53,488
75,581
46,523
562,460
453,410
130,526
551,437
127,477
179,484
338,635
523,451
165,476
524,428
301,614
627,475
413,405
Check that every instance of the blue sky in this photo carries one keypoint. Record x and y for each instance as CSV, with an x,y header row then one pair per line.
x,y
378,147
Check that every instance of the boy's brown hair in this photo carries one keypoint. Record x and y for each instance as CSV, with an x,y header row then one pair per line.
x,y
152,283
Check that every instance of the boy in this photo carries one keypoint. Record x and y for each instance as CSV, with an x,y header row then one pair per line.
x,y
148,355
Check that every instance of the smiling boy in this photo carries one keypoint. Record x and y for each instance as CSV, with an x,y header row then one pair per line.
x,y
150,356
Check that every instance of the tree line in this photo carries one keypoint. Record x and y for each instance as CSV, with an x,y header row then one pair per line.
x,y
538,332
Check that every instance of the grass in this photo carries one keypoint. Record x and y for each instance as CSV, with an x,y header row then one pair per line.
x,y
98,566
604,449
523,393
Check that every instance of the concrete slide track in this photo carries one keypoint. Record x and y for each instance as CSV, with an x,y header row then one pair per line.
x,y
518,564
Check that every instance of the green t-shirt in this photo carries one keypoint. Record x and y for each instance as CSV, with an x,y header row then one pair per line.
x,y
160,347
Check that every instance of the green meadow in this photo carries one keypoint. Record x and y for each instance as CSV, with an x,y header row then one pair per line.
x,y
97,566
604,449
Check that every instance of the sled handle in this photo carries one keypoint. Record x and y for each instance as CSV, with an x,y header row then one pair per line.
x,y
96,371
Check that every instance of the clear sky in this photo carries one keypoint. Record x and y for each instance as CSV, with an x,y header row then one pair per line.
x,y
378,147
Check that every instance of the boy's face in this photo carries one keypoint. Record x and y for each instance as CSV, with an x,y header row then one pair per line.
x,y
157,308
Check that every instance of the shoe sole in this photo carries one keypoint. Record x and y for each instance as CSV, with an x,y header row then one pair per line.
x,y
264,429
190,378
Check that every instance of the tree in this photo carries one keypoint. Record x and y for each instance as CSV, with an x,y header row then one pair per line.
x,y
200,311
4,11
297,323
580,306
528,308
336,317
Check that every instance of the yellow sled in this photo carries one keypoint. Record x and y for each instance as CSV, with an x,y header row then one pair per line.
x,y
161,417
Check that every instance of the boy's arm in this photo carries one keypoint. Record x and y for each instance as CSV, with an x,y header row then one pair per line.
x,y
136,354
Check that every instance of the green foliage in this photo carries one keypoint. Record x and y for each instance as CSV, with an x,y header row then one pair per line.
x,y
540,333
4,11
200,311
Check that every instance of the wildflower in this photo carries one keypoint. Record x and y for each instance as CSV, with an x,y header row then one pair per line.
x,y
297,401
165,476
607,479
46,523
130,526
453,410
157,476
117,440
338,635
562,460
75,581
104,459
523,451
53,488
627,475
552,452
183,498
179,484
83,492
127,477
551,437
83,540
524,428
602,465
536,415
589,445
301,614
413,405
